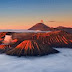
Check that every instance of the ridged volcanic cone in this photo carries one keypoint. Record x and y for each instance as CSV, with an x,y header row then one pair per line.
x,y
55,39
31,48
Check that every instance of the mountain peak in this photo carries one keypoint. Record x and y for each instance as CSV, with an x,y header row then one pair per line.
x,y
40,26
61,27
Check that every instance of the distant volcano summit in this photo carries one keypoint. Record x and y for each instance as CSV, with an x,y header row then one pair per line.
x,y
40,26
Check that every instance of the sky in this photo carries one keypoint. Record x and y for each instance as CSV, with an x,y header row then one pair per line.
x,y
23,14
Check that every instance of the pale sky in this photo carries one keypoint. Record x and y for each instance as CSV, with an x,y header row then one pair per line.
x,y
22,14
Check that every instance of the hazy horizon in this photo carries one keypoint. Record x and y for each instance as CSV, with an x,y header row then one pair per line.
x,y
23,14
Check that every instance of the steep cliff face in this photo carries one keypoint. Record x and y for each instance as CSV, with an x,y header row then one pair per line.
x,y
31,48
2,34
55,38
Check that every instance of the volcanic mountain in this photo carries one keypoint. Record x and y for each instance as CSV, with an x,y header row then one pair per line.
x,y
31,48
33,44
40,26
60,27
55,38
67,29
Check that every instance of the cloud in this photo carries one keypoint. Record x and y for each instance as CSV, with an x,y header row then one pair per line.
x,y
52,21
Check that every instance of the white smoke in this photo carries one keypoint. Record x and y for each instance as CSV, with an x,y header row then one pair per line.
x,y
7,39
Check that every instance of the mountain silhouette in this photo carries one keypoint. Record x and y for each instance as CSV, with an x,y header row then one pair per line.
x,y
67,29
40,26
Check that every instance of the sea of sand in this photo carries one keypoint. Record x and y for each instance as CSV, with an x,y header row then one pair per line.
x,y
61,62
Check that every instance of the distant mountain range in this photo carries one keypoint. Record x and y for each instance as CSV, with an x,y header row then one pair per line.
x,y
67,29
39,27
43,27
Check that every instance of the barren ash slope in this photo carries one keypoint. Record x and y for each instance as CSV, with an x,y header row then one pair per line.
x,y
55,38
31,48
